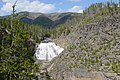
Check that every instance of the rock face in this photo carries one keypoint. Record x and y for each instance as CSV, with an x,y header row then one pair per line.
x,y
93,52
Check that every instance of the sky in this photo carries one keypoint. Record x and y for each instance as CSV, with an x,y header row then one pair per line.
x,y
47,6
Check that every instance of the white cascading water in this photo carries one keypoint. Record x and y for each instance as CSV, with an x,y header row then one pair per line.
x,y
46,51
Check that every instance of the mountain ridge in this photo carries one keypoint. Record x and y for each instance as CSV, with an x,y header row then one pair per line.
x,y
46,20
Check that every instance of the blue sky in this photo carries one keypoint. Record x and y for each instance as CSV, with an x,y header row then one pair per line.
x,y
47,6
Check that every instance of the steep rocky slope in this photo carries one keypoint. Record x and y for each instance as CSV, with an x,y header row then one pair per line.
x,y
92,52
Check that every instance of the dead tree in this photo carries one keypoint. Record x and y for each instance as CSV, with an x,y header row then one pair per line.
x,y
13,14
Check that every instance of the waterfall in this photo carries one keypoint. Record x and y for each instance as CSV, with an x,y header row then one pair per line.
x,y
47,50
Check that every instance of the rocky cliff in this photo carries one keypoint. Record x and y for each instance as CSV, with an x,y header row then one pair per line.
x,y
92,52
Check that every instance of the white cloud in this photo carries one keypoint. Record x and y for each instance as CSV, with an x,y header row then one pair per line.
x,y
26,5
7,7
77,9
74,0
